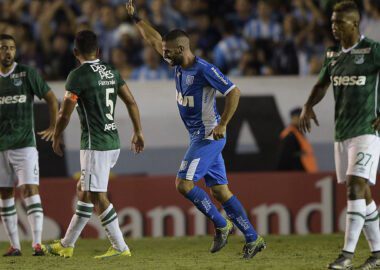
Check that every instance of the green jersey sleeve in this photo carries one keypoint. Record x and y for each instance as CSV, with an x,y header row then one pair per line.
x,y
73,83
324,73
38,85
119,80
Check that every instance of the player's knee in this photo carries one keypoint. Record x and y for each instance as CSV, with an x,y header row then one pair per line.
x,y
355,191
184,186
99,199
221,193
6,193
28,190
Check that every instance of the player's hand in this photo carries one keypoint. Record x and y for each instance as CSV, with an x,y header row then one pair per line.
x,y
219,132
137,143
47,134
305,119
57,142
130,8
376,124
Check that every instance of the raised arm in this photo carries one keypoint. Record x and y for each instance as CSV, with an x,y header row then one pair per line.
x,y
137,144
150,35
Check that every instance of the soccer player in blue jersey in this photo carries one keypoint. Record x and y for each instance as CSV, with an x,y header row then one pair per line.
x,y
196,83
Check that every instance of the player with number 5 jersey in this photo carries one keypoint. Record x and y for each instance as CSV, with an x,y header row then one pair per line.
x,y
97,85
93,88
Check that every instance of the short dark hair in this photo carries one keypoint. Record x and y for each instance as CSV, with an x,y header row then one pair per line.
x,y
175,34
86,42
346,6
7,37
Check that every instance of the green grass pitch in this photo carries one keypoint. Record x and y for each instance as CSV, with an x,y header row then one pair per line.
x,y
283,252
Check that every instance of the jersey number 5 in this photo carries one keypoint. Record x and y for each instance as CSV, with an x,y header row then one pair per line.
x,y
109,103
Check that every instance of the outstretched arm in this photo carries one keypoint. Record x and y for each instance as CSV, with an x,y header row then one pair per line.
x,y
232,101
317,93
52,103
68,106
137,144
150,35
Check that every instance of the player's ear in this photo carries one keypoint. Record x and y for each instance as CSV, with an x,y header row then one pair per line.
x,y
97,53
181,48
75,52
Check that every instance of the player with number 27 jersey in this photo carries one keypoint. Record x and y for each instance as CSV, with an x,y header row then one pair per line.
x,y
96,84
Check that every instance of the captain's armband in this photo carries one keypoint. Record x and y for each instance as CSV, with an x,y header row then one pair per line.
x,y
71,96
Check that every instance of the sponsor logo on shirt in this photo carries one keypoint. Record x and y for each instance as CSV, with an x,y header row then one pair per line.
x,y
349,80
187,101
219,76
102,70
13,99
18,75
331,54
112,82
361,51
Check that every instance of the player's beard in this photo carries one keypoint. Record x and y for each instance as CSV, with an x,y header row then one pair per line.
x,y
175,60
7,61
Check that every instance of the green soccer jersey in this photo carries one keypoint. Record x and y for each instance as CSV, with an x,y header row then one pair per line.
x,y
354,74
96,84
17,90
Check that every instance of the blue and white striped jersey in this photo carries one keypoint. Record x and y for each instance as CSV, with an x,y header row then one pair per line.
x,y
196,91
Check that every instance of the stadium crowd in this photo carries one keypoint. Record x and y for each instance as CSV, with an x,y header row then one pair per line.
x,y
242,37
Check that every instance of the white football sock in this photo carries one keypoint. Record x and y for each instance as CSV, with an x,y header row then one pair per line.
x,y
371,227
35,217
356,210
77,224
9,219
110,223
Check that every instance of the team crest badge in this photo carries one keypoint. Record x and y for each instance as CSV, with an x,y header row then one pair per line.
x,y
17,82
189,80
359,59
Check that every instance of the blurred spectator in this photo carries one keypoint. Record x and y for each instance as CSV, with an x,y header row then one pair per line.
x,y
152,69
264,26
31,55
250,64
279,34
120,61
295,152
164,17
285,59
230,49
106,28
61,59
244,13
209,35
370,23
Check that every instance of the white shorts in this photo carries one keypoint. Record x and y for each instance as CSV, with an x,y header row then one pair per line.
x,y
19,167
95,169
357,156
